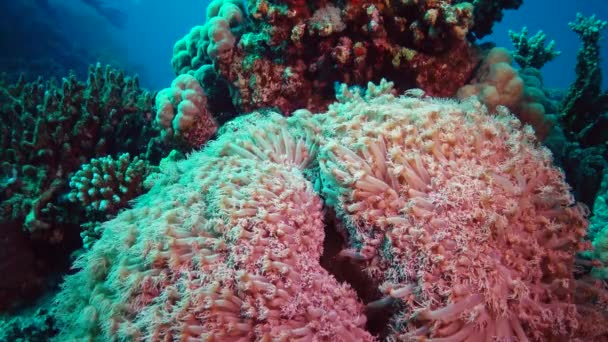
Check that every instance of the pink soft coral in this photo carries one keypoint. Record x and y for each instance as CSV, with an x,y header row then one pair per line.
x,y
458,216
225,247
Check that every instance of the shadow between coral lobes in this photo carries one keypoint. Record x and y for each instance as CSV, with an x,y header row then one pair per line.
x,y
347,270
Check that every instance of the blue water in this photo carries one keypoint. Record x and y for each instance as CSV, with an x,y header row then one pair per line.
x,y
154,26
552,17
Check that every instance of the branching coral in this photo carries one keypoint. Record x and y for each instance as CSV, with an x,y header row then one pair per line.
x,y
106,185
48,131
584,115
532,52
585,101
457,217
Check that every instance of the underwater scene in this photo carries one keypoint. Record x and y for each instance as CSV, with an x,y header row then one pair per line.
x,y
290,170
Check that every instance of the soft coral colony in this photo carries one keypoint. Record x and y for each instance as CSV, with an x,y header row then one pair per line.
x,y
451,220
456,217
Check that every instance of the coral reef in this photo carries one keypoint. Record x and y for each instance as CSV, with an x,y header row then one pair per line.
x,y
106,185
241,231
498,83
31,325
585,102
579,142
532,52
288,55
457,216
424,208
48,131
182,112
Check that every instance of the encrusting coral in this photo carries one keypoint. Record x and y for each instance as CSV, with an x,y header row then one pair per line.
x,y
181,110
457,216
498,83
288,54
598,231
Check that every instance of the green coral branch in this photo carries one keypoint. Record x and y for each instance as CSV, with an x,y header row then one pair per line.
x,y
532,51
49,129
584,102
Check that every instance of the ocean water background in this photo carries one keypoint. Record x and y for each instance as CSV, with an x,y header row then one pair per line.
x,y
145,45
552,17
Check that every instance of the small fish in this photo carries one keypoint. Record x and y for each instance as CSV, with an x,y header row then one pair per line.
x,y
414,92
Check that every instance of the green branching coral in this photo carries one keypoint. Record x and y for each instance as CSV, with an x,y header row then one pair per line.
x,y
584,116
47,131
106,185
585,102
103,187
598,232
532,51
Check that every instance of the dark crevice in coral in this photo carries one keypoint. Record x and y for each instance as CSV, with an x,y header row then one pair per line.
x,y
344,270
